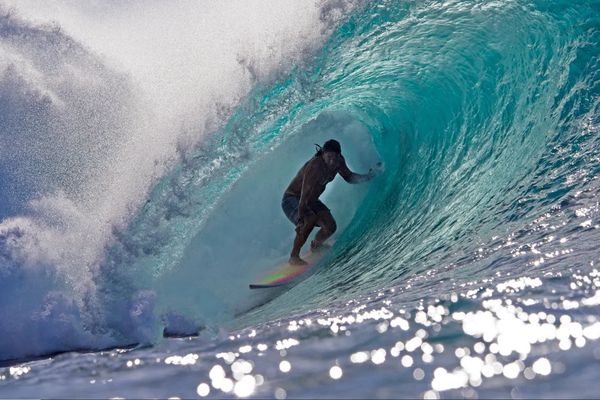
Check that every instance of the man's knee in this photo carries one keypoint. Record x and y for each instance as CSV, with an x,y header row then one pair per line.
x,y
328,223
332,226
306,226
303,230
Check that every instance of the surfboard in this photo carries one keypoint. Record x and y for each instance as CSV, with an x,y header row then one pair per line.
x,y
286,272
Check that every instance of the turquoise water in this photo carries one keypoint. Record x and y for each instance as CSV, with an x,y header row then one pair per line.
x,y
467,269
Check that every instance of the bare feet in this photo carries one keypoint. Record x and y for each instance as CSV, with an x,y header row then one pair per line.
x,y
297,261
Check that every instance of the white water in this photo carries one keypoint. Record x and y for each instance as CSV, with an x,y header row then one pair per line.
x,y
168,74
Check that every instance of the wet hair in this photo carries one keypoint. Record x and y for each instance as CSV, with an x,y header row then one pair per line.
x,y
331,145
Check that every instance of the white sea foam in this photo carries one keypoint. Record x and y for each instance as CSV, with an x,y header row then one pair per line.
x,y
114,94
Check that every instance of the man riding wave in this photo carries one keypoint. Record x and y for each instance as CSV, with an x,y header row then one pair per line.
x,y
301,202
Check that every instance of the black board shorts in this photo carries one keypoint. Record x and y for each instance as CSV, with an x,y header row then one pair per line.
x,y
290,205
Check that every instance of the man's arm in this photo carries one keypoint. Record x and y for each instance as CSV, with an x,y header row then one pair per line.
x,y
309,182
353,177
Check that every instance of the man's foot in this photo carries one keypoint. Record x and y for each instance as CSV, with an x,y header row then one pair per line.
x,y
297,261
316,246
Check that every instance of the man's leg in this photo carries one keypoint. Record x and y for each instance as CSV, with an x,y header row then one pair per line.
x,y
302,232
328,226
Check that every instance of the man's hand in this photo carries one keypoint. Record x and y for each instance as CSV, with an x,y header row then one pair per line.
x,y
305,217
303,212
373,172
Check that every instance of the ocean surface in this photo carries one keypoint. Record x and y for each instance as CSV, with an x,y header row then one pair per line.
x,y
145,147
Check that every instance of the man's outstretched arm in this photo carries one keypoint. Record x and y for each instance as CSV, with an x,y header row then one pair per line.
x,y
353,177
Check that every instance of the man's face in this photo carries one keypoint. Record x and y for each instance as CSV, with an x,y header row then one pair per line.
x,y
331,159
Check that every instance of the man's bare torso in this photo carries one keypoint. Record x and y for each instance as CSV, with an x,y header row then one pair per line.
x,y
319,174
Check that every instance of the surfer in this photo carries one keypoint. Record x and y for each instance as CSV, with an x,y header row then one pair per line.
x,y
301,202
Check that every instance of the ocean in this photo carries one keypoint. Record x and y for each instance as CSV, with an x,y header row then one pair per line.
x,y
145,147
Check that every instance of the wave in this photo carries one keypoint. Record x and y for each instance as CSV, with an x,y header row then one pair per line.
x,y
485,115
